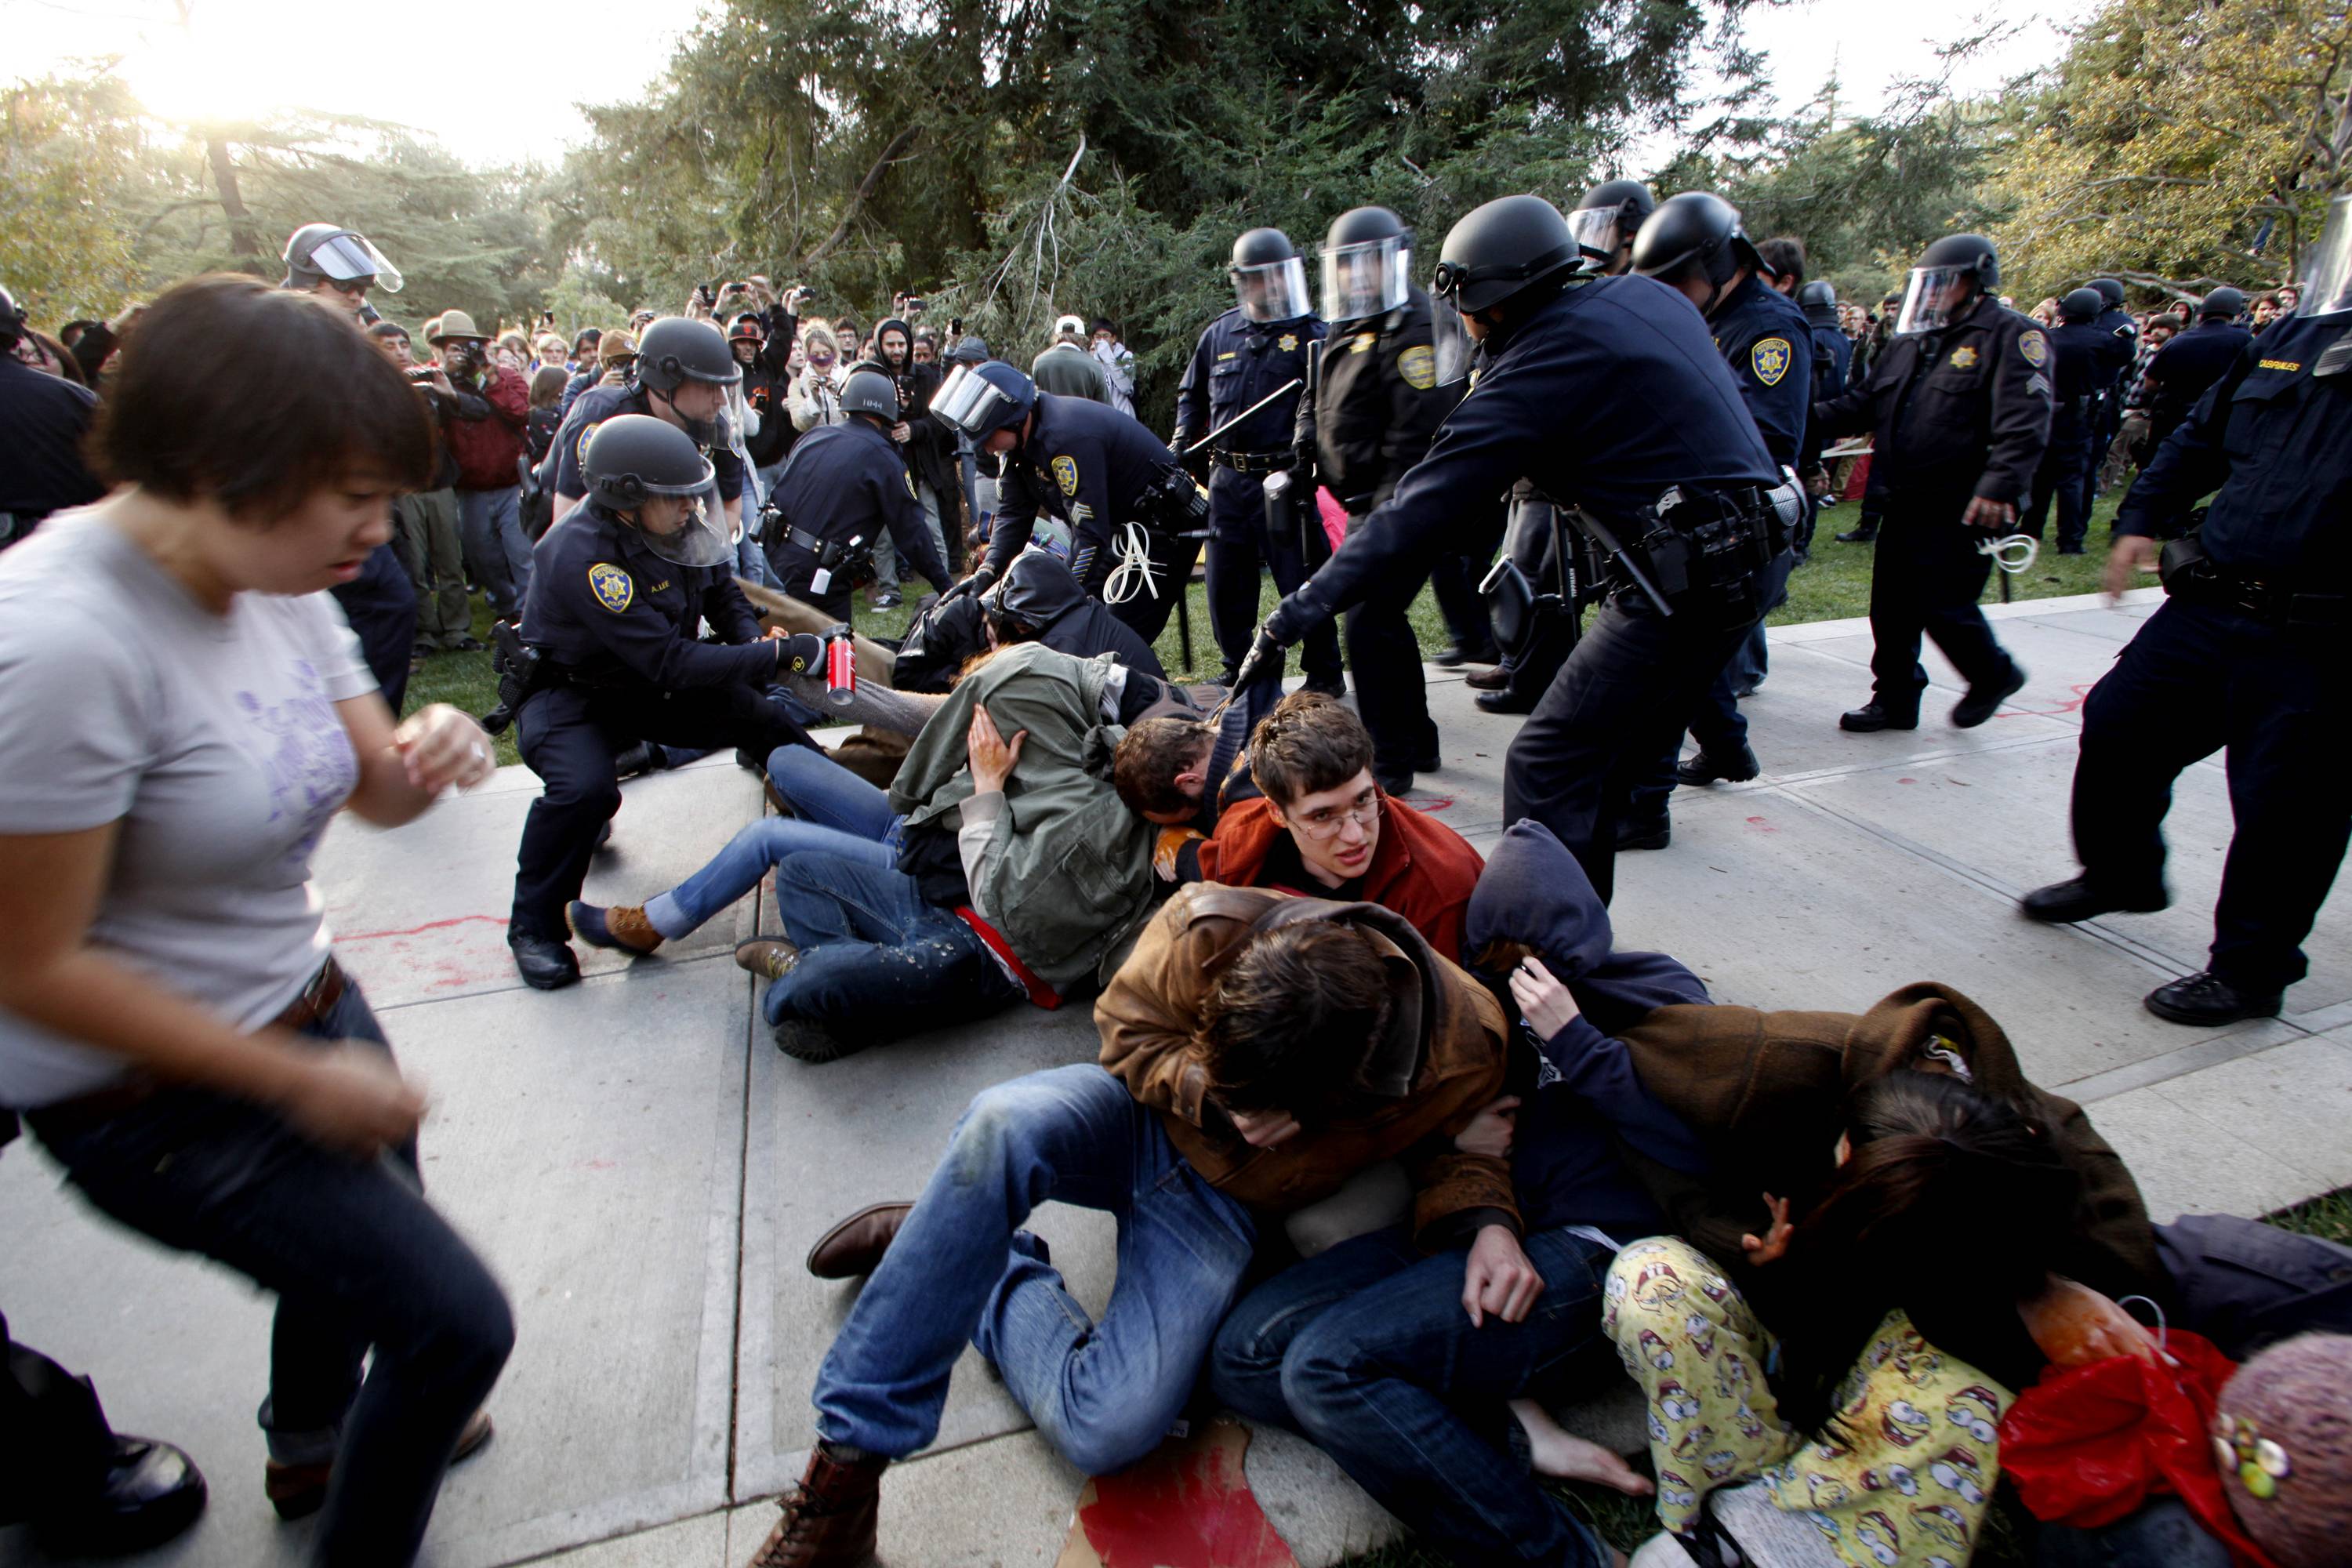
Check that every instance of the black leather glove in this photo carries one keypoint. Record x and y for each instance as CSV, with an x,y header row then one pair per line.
x,y
1264,659
802,653
979,582
1302,465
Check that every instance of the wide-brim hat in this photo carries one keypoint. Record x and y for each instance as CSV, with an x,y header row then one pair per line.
x,y
456,325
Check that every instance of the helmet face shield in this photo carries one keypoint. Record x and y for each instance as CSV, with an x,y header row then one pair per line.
x,y
2326,282
1365,279
693,542
1596,232
1452,344
974,404
347,257
1274,292
1937,297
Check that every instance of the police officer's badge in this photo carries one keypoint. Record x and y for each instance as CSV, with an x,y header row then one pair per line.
x,y
1418,365
613,588
1769,358
1065,474
1964,358
2034,346
910,484
1290,343
1363,343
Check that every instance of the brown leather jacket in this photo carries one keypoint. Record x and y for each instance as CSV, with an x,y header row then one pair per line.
x,y
1443,1060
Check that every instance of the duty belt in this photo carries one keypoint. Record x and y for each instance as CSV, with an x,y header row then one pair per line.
x,y
2204,583
1250,462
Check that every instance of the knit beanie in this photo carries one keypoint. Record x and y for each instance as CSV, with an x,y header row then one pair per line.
x,y
2283,1437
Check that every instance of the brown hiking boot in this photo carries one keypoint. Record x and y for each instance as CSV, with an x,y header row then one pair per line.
x,y
623,926
770,957
829,1518
297,1492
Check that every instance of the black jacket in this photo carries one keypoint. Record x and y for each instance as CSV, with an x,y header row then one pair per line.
x,y
950,632
45,418
847,481
1373,408
610,612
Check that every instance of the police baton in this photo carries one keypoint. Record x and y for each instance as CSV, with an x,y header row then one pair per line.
x,y
1285,390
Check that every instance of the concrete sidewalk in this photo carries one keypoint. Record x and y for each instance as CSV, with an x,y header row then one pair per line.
x,y
646,1173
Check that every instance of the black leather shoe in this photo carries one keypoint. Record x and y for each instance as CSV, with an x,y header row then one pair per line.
x,y
2064,903
1458,655
151,1493
1702,767
1394,783
1873,717
543,963
1645,832
1505,702
1335,687
1861,535
2205,998
640,758
1983,702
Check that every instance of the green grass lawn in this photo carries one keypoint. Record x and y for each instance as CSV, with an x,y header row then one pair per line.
x,y
1833,585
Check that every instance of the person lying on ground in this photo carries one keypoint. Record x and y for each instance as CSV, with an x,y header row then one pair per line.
x,y
1041,601
1258,1050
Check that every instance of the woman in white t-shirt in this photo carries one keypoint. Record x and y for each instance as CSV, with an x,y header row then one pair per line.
x,y
182,711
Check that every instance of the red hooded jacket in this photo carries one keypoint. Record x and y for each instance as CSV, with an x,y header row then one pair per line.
x,y
1421,868
485,449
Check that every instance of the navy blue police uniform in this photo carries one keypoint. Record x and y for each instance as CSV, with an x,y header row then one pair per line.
x,y
843,488
1370,418
45,418
1236,362
1832,369
1607,396
2079,355
599,404
2183,368
1955,413
1096,468
618,629
2119,341
2242,655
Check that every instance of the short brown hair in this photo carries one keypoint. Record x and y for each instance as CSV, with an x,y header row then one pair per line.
x,y
1291,1018
1143,768
1309,742
253,397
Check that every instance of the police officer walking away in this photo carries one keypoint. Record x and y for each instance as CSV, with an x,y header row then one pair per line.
x,y
1608,395
1366,419
1248,354
1958,403
2183,368
844,487
2079,357
2243,656
619,593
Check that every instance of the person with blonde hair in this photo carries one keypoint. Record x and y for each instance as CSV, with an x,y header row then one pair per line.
x,y
814,397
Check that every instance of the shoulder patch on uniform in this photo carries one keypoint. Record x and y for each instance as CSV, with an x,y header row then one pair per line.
x,y
579,448
2285,365
1418,365
615,589
1065,474
2034,346
1964,357
1769,359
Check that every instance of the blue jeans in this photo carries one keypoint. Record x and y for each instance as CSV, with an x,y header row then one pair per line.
x,y
873,952
1102,1393
358,1259
1366,1351
839,814
490,524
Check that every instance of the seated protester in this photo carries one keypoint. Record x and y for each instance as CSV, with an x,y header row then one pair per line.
x,y
1260,1050
846,486
1321,827
995,868
1398,1362
1038,601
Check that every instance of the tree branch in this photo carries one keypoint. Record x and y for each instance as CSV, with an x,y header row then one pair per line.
x,y
857,198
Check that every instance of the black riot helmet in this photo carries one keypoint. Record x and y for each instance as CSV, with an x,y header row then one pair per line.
x,y
2111,289
2082,305
632,457
1819,301
2225,302
1694,234
1507,247
675,349
1367,265
1607,218
318,251
1269,278
870,392
1949,277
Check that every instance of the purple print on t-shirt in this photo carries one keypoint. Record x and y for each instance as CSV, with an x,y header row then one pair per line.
x,y
311,769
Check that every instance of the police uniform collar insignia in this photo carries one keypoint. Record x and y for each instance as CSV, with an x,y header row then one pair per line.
x,y
1964,357
2032,345
615,589
1770,359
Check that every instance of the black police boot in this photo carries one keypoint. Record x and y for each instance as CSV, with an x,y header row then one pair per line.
x,y
151,1492
1393,784
2077,898
640,758
1875,716
1508,700
1335,687
1861,533
1459,655
1646,831
1983,702
1702,767
2206,999
545,964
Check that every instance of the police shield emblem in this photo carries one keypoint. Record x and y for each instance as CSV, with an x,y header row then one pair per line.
x,y
2034,346
613,588
1065,474
1964,358
1290,343
1770,359
1418,365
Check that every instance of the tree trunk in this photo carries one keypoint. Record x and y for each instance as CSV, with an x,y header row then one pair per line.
x,y
242,240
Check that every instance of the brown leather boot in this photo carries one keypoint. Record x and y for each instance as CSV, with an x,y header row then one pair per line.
x,y
297,1492
829,1518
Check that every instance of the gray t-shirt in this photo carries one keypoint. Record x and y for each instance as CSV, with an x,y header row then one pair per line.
x,y
212,741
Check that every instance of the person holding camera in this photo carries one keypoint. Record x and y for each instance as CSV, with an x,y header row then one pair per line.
x,y
482,419
844,488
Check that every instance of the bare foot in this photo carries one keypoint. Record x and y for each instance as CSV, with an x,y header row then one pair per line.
x,y
1563,1456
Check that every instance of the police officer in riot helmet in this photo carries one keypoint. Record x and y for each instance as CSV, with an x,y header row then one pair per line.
x,y
2182,369
1606,221
1256,352
2077,363
841,488
2121,347
1366,419
684,371
611,654
1959,405
339,266
1609,395
1125,515
2245,655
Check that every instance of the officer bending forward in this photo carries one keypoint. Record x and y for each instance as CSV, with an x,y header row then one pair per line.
x,y
618,592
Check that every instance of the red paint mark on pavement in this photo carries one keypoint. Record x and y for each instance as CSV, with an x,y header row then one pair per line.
x,y
1761,826
1907,780
420,931
1198,1512
1420,801
2073,705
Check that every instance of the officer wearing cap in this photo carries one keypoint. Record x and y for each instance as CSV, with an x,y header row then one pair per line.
x,y
1133,515
1246,355
2183,368
2243,654
684,369
1959,404
620,593
844,487
1065,368
2078,363
1606,394
1366,417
